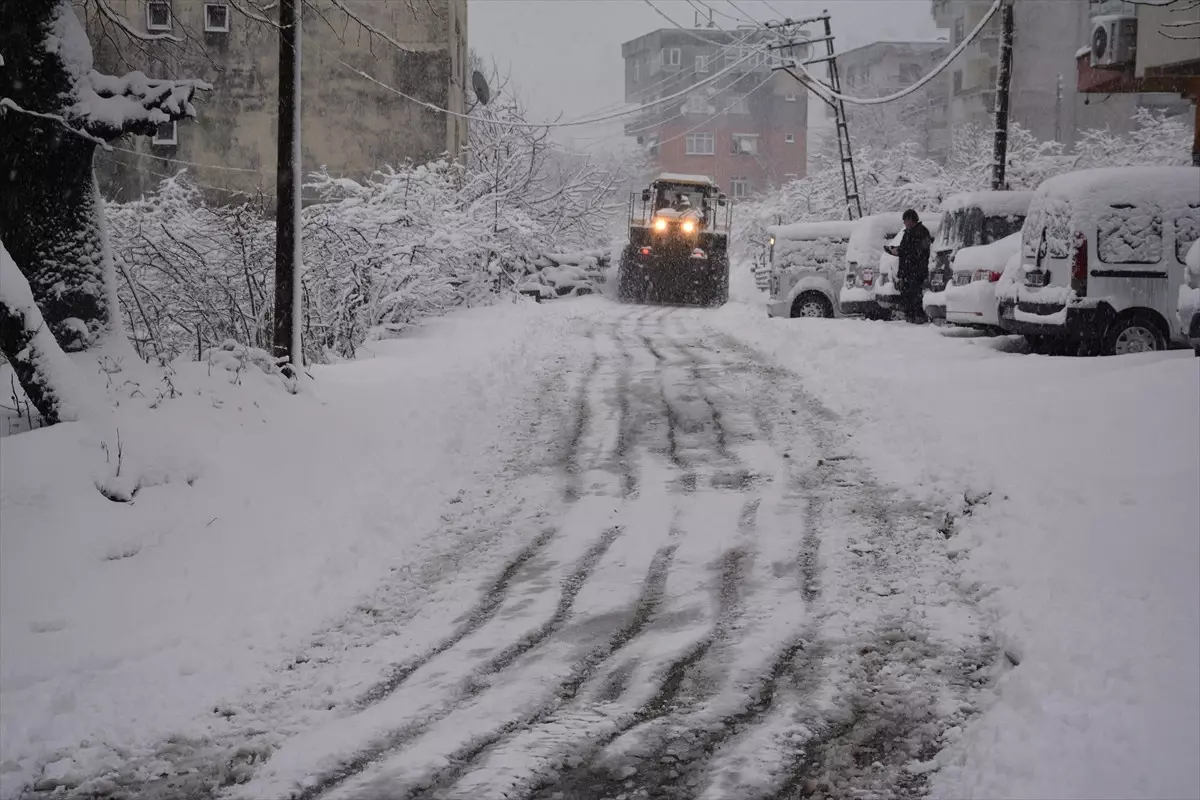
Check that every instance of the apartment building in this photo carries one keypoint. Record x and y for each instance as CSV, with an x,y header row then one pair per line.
x,y
1044,97
349,125
882,68
747,128
1143,51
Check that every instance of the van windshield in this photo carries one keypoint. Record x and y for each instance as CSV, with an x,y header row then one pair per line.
x,y
822,253
971,227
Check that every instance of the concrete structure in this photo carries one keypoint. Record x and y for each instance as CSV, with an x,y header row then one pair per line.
x,y
747,129
881,68
350,125
1166,58
1044,98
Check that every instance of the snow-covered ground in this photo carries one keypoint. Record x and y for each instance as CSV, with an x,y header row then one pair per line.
x,y
1077,488
540,548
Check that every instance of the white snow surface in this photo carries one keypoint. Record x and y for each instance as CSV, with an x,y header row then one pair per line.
x,y
258,515
1085,550
991,203
869,236
992,256
263,516
839,229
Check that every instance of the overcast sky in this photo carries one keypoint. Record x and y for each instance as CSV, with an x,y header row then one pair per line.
x,y
565,55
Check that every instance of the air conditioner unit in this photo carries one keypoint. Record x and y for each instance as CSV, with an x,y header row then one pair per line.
x,y
1114,40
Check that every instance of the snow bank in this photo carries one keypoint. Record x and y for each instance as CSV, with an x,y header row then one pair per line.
x,y
1080,542
251,516
833,229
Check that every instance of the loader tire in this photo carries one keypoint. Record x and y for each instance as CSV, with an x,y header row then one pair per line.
x,y
627,291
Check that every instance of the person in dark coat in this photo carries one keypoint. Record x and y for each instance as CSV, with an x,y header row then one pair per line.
x,y
913,271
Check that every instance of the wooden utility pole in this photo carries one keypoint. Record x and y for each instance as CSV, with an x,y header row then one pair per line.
x,y
286,334
1003,79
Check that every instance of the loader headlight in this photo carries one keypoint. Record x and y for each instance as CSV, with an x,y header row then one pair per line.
x,y
689,226
660,225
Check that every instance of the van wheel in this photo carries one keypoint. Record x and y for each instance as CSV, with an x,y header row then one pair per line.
x,y
1136,333
812,304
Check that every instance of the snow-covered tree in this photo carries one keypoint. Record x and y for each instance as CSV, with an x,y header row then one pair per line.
x,y
56,111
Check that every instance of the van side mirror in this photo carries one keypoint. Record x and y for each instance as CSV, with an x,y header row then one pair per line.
x,y
721,199
645,195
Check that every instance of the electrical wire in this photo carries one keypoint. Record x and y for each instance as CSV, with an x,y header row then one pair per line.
x,y
724,110
689,32
828,94
542,125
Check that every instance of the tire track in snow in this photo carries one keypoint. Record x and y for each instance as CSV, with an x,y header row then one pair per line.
x,y
641,613
481,614
678,690
474,684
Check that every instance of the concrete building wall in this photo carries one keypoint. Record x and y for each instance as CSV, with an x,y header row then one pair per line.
x,y
1047,34
882,68
349,124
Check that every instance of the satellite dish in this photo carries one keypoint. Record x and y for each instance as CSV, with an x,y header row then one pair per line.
x,y
480,85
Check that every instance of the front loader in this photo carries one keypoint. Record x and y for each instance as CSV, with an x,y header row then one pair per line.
x,y
678,249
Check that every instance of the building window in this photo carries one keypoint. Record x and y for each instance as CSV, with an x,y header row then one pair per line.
x,y
696,103
216,18
744,143
790,176
701,144
790,138
790,97
740,187
959,31
958,82
672,56
637,71
166,134
993,75
701,63
158,15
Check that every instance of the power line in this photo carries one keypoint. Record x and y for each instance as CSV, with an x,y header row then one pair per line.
x,y
828,94
543,125
698,37
734,104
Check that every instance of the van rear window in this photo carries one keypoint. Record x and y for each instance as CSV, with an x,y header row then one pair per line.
x,y
1130,233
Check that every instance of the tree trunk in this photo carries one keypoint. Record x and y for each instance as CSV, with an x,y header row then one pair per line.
x,y
49,213
46,374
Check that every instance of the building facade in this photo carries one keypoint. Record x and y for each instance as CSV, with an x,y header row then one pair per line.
x,y
1043,97
746,128
350,125
882,68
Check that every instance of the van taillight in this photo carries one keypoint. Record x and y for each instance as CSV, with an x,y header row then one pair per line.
x,y
1080,266
994,276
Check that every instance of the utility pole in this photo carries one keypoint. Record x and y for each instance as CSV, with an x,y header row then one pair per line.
x,y
286,339
789,29
1003,79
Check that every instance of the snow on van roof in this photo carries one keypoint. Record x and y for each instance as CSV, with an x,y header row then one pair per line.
x,y
869,235
834,229
679,177
1170,186
991,256
990,202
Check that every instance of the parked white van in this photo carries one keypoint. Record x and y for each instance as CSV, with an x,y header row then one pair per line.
x,y
971,297
867,239
807,264
969,219
1188,307
1102,256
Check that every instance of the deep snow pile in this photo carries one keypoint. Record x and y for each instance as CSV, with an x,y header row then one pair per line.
x,y
178,550
1075,485
565,274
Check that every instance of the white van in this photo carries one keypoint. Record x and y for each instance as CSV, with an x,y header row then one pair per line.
x,y
807,262
969,219
1102,255
867,239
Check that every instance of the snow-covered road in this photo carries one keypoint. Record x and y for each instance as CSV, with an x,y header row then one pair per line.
x,y
680,571
705,595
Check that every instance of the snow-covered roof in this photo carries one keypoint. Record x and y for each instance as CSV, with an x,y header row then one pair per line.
x,y
869,236
988,256
679,177
834,229
1168,186
1083,51
990,202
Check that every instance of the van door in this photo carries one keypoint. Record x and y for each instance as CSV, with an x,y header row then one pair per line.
x,y
1132,265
